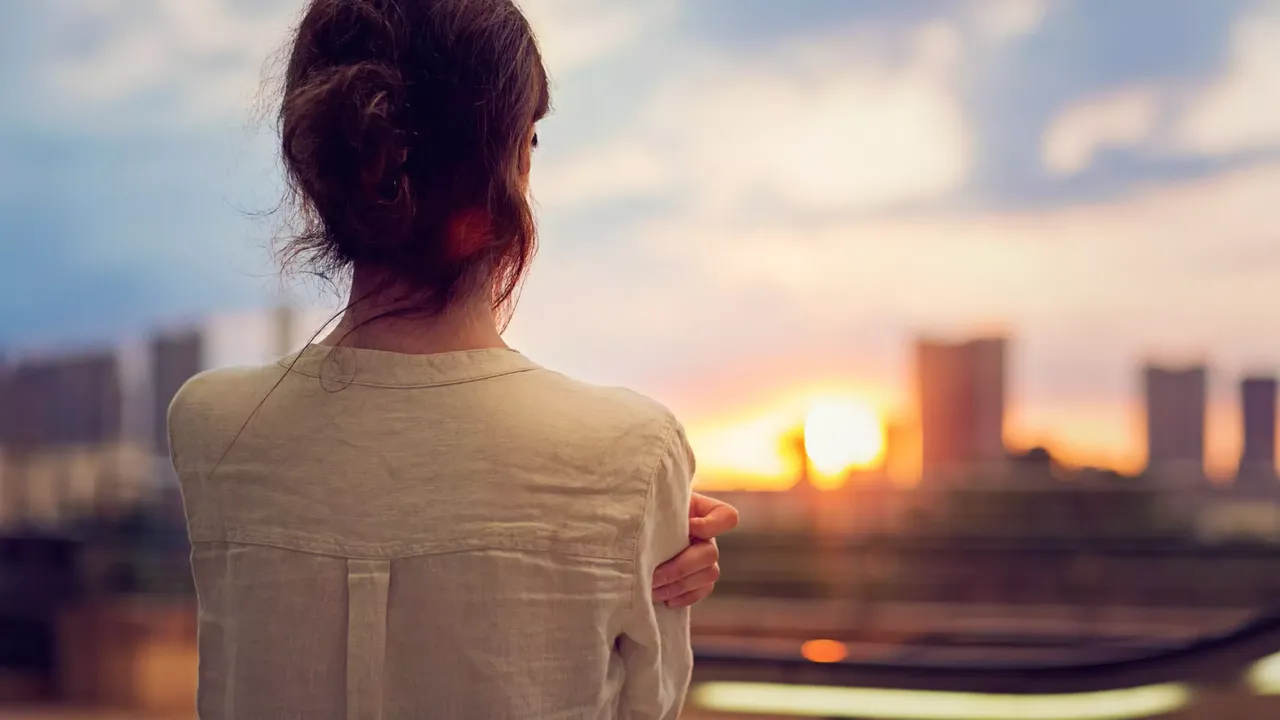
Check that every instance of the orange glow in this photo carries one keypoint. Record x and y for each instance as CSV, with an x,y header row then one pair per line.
x,y
841,435
824,651
753,447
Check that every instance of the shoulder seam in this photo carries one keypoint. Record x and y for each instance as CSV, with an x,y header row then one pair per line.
x,y
664,440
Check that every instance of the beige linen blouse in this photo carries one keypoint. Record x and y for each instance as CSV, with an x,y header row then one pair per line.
x,y
463,535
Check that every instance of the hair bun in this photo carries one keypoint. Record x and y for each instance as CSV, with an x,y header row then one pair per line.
x,y
343,138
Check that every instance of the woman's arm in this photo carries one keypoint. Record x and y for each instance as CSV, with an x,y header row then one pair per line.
x,y
655,643
689,577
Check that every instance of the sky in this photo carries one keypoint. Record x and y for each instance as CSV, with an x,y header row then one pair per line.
x,y
745,204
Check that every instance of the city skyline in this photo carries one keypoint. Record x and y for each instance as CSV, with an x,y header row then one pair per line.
x,y
952,425
763,203
1199,435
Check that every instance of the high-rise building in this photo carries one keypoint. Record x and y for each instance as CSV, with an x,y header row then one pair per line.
x,y
175,358
961,389
57,411
63,400
1258,454
1175,405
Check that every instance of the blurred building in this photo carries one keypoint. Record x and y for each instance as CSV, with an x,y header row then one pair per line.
x,y
64,400
1035,466
10,499
1236,519
1175,408
1258,455
175,358
62,430
961,392
901,458
85,433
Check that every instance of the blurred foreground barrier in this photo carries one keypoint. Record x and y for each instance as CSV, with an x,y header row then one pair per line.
x,y
37,573
1230,675
881,704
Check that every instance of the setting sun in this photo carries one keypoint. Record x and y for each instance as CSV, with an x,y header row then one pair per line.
x,y
842,434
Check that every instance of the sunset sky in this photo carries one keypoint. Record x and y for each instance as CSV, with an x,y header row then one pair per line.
x,y
746,205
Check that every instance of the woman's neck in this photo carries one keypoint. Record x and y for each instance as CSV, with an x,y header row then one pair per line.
x,y
373,323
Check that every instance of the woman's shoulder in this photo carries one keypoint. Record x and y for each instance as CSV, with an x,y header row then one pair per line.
x,y
216,398
607,407
214,390
618,424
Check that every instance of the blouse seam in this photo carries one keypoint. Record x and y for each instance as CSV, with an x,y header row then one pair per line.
x,y
644,513
410,386
371,551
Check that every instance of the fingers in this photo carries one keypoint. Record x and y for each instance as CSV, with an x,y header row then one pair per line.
x,y
703,580
697,557
700,505
709,518
691,598
690,577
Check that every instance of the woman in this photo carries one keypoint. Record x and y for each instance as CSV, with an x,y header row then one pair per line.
x,y
408,519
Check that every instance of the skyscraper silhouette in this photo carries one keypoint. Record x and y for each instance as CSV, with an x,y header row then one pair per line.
x,y
1175,408
1258,454
175,358
961,388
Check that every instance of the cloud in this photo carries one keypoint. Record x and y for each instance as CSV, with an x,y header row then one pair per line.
x,y
633,170
1238,111
200,61
574,34
1147,256
830,123
1229,114
1006,19
184,62
1118,118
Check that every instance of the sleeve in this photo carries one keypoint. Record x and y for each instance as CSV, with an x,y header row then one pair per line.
x,y
655,645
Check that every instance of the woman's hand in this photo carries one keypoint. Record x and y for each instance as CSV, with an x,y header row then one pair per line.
x,y
690,577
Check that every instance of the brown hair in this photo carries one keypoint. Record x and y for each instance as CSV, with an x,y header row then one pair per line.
x,y
404,133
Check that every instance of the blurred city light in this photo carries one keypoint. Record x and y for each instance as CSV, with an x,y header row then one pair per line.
x,y
1264,676
824,651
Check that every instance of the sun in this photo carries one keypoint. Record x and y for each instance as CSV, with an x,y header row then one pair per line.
x,y
841,435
